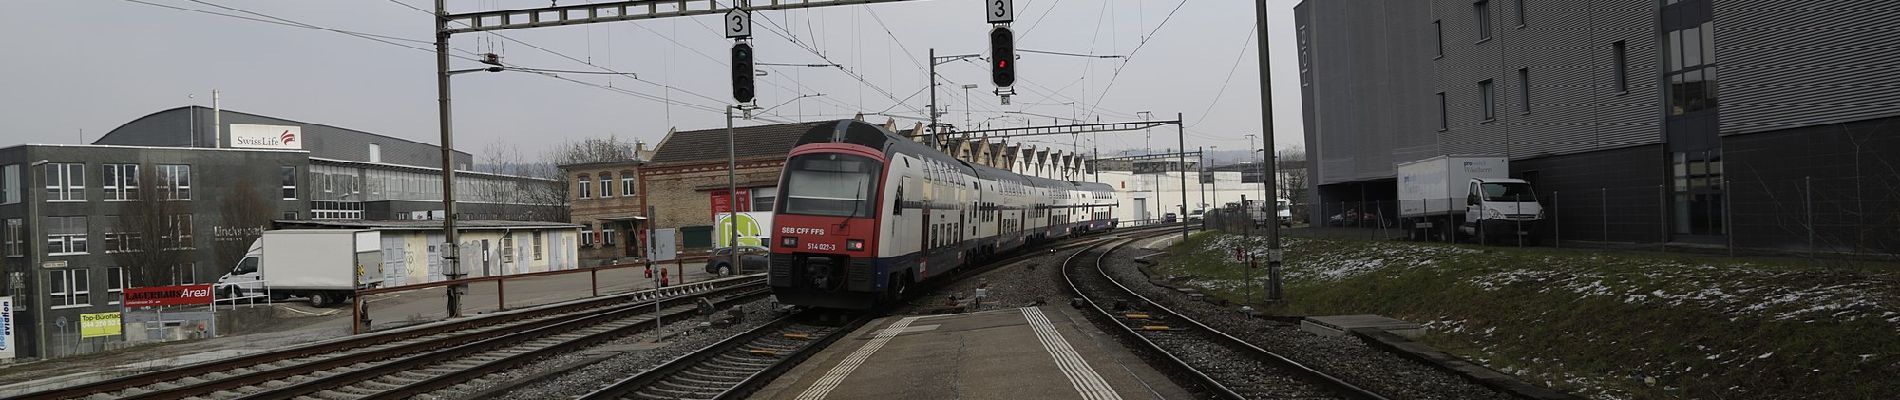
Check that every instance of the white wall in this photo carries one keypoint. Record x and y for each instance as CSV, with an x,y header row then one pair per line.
x,y
1165,189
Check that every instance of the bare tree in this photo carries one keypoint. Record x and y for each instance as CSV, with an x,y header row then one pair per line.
x,y
1293,178
152,238
244,215
546,199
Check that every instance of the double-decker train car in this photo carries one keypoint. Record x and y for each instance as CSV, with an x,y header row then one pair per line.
x,y
864,214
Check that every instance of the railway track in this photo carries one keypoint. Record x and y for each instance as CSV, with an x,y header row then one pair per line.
x,y
405,363
732,368
1223,365
739,365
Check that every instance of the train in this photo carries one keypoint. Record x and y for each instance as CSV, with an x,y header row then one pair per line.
x,y
864,214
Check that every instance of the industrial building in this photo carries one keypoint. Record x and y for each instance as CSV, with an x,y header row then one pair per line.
x,y
177,196
1691,122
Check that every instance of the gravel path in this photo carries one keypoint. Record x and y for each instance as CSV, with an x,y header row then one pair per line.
x,y
1343,357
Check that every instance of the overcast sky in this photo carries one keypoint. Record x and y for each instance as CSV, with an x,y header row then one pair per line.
x,y
95,64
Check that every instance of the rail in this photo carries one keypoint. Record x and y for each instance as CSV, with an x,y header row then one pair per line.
x,y
1307,373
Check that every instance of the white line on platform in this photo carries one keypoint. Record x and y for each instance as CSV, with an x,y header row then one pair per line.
x,y
837,373
1087,383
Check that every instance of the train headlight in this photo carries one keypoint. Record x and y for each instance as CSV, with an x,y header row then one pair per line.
x,y
854,245
788,241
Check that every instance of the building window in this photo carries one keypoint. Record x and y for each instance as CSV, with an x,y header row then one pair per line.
x,y
607,237
1619,54
626,185
65,182
121,181
587,237
65,236
606,185
1524,90
586,187
178,231
10,184
15,238
1438,32
123,242
187,274
375,152
537,246
1487,100
1520,13
1692,69
508,248
174,182
115,285
68,288
1444,115
289,181
1481,11
763,198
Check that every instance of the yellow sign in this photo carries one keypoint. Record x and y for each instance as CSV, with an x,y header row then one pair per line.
x,y
96,325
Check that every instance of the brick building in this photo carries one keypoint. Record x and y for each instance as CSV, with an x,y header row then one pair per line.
x,y
686,183
605,198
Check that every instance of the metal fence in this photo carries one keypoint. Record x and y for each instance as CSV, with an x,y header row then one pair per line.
x,y
1810,216
391,307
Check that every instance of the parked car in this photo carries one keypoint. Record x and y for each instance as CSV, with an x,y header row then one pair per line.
x,y
752,259
1168,219
1197,215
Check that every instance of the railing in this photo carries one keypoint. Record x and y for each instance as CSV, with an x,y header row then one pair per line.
x,y
250,293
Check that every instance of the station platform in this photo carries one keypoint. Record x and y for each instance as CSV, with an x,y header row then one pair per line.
x,y
1047,352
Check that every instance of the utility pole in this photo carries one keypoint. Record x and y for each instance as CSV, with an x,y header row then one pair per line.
x,y
1200,159
966,105
1180,136
933,100
732,195
451,251
1266,118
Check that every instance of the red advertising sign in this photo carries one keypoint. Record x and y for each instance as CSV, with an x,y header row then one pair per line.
x,y
720,199
168,296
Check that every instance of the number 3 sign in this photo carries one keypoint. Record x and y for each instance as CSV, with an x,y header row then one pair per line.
x,y
999,11
738,24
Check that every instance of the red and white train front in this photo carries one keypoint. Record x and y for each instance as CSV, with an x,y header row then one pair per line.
x,y
825,239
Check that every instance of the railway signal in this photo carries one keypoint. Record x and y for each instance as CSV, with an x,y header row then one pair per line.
x,y
742,90
1002,57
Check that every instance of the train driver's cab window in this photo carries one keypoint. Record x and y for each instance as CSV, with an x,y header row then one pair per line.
x,y
838,185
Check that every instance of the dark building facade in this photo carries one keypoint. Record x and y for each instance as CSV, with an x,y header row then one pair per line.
x,y
355,174
1685,121
79,223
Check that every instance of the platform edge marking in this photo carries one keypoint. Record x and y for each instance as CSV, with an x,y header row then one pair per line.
x,y
1086,381
836,375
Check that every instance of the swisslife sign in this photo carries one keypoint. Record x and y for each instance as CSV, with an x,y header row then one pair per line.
x,y
168,296
288,137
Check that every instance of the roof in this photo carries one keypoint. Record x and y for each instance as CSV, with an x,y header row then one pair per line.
x,y
418,225
710,144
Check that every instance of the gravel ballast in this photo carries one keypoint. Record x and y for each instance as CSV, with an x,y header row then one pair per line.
x,y
1344,357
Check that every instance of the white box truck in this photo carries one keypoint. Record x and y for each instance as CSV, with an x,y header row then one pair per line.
x,y
1467,196
324,265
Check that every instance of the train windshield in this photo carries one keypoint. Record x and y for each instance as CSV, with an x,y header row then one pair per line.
x,y
838,185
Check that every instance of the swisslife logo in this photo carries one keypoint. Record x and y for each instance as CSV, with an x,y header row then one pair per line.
x,y
267,136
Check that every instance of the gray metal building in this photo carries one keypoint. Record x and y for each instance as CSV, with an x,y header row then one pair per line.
x,y
356,174
1618,112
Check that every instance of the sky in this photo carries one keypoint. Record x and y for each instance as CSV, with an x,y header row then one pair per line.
x,y
81,68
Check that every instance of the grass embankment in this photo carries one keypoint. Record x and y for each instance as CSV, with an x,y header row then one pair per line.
x,y
1596,324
